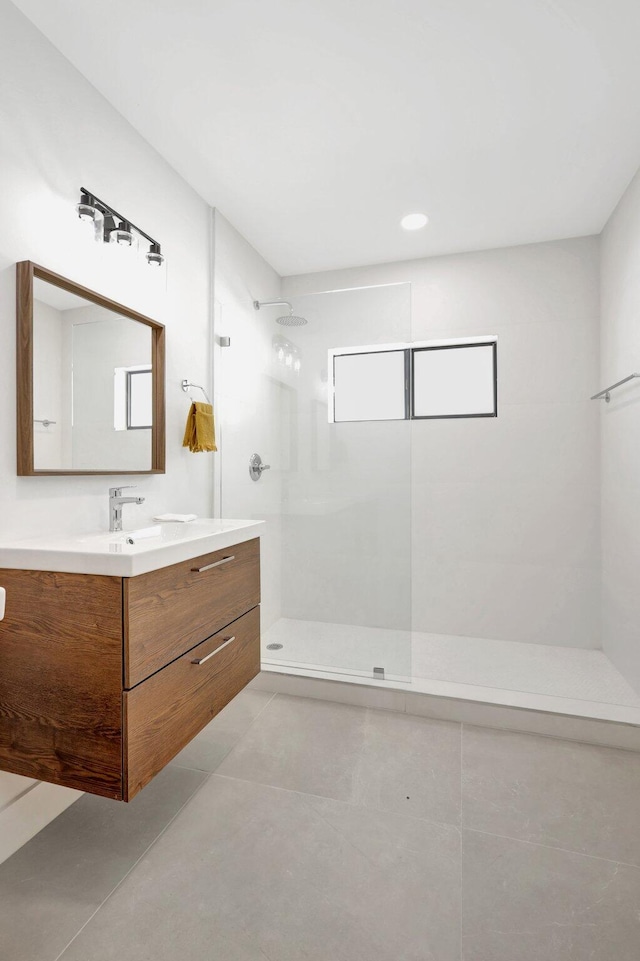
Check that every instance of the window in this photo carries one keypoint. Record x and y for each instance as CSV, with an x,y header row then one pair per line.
x,y
419,381
455,381
139,400
370,386
133,398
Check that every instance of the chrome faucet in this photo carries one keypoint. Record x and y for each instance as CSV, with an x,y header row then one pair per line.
x,y
116,500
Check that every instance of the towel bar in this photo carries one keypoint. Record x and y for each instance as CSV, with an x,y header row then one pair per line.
x,y
606,393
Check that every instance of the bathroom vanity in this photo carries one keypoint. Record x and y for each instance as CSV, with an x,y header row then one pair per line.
x,y
114,656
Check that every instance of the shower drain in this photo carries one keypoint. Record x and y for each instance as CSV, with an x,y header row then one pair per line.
x,y
274,647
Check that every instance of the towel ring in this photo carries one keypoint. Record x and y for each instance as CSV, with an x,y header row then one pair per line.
x,y
186,385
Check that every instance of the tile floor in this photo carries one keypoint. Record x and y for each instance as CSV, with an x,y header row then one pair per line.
x,y
297,829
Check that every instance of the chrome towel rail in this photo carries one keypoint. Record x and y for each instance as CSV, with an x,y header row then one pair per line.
x,y
606,393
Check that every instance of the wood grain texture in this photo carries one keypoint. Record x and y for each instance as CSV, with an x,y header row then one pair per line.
x,y
64,716
170,708
61,679
158,430
24,367
169,611
43,273
26,271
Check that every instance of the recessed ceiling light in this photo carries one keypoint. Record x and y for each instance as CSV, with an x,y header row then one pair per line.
x,y
414,221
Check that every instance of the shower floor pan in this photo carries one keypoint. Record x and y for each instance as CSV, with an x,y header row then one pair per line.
x,y
564,681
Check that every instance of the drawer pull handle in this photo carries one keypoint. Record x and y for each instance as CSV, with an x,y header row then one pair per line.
x,y
201,660
225,560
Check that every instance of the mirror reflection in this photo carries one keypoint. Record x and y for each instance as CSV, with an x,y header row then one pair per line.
x,y
92,385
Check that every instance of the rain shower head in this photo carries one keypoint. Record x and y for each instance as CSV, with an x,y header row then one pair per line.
x,y
287,320
291,320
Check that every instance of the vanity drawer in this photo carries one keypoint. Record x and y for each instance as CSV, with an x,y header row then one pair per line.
x,y
169,611
165,712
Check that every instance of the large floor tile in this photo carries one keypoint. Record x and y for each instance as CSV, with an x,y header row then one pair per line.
x,y
381,760
252,872
302,745
52,885
410,765
526,902
206,751
567,795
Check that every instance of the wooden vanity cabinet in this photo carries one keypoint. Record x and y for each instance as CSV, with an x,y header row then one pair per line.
x,y
103,680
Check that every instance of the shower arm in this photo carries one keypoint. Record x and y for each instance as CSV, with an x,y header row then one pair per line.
x,y
257,304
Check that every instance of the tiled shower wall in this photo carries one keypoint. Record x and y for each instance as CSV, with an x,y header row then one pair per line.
x,y
505,512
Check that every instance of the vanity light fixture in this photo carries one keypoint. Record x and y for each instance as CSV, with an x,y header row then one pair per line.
x,y
414,221
112,227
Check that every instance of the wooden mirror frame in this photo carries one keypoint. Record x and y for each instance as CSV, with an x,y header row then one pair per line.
x,y
26,271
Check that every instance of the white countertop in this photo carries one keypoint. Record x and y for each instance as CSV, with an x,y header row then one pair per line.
x,y
111,555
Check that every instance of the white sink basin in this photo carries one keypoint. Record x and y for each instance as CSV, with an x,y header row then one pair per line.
x,y
110,554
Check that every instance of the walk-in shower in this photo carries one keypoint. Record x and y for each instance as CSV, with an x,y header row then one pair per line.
x,y
451,550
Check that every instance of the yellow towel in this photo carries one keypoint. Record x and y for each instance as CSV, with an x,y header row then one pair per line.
x,y
199,434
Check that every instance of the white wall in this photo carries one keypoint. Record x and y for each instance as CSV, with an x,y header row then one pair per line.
x,y
249,398
620,435
56,135
48,327
505,511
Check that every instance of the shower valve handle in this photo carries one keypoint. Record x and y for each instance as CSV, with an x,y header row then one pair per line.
x,y
256,467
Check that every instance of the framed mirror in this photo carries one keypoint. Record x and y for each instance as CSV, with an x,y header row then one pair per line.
x,y
90,381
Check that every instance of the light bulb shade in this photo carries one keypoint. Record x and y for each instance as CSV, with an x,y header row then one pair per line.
x,y
87,212
123,235
155,256
92,219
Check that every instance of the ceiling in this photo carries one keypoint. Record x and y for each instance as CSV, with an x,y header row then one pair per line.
x,y
315,125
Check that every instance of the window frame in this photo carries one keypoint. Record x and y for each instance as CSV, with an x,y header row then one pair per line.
x,y
455,346
129,375
409,350
383,349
